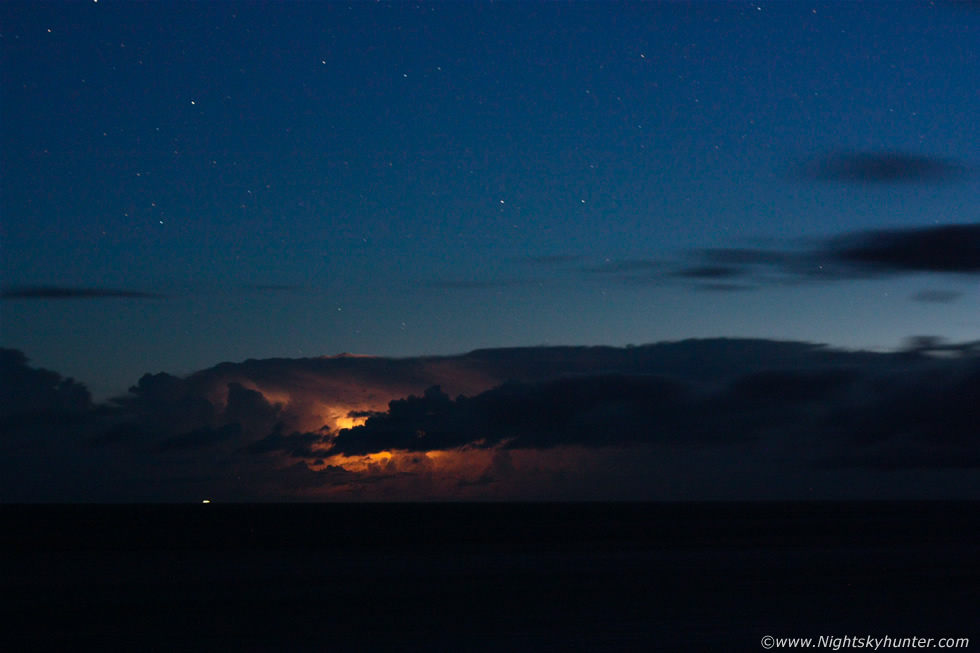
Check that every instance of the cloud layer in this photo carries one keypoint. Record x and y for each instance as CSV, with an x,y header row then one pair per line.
x,y
938,249
886,413
946,248
719,418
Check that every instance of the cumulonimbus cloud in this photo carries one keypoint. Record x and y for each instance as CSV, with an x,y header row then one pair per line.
x,y
285,427
909,410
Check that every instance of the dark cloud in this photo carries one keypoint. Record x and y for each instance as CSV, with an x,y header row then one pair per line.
x,y
780,387
238,428
928,420
890,459
882,168
171,414
952,248
200,438
837,407
297,445
936,296
594,411
64,292
250,409
167,405
918,345
944,248
411,424
299,477
28,390
940,249
365,413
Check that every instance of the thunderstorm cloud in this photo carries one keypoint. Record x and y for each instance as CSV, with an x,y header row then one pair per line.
x,y
536,421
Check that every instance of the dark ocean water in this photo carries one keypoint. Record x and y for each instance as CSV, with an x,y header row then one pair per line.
x,y
484,577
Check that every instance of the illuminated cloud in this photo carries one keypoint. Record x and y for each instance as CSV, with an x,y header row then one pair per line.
x,y
545,422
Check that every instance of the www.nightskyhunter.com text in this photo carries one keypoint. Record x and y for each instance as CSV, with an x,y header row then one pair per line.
x,y
869,642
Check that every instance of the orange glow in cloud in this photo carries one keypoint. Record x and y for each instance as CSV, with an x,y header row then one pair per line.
x,y
452,465
308,410
470,473
381,462
344,421
311,402
311,409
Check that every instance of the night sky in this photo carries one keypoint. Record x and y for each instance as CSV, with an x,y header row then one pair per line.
x,y
186,185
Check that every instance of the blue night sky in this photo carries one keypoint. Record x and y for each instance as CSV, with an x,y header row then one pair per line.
x,y
399,179
203,204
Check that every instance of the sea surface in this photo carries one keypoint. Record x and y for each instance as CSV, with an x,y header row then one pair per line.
x,y
484,577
